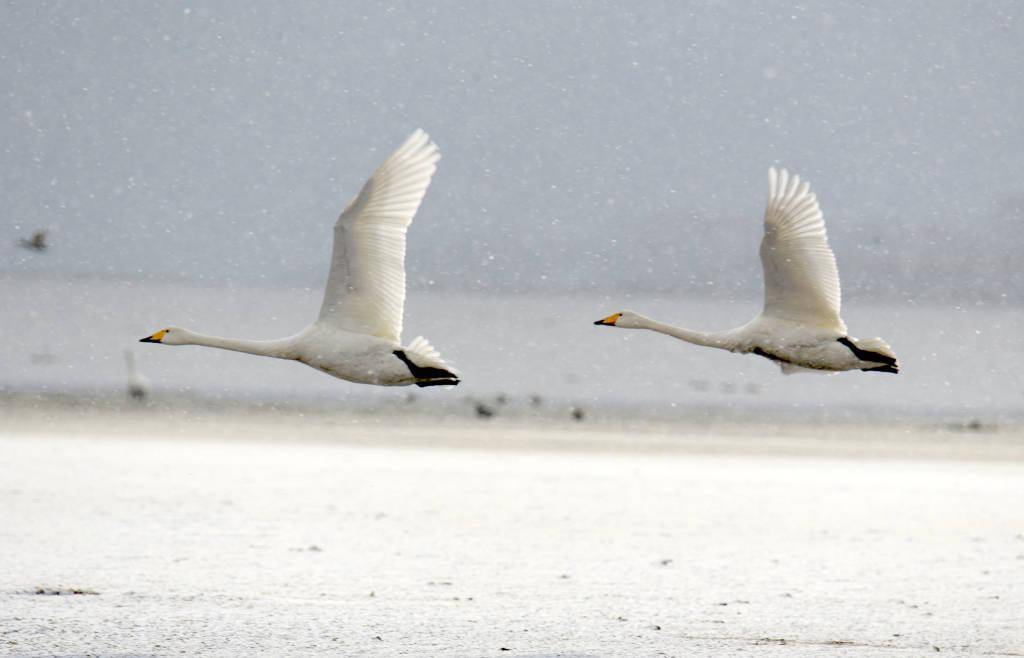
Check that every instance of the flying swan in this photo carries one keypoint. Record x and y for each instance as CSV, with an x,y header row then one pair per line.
x,y
357,336
799,327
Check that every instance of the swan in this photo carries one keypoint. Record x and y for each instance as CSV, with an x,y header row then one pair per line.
x,y
138,384
799,327
357,336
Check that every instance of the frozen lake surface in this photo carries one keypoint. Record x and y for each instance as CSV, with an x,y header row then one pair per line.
x,y
69,334
219,544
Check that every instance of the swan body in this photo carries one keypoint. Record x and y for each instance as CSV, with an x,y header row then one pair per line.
x,y
357,336
799,327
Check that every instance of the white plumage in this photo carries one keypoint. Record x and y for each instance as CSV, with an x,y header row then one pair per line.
x,y
357,336
799,326
366,287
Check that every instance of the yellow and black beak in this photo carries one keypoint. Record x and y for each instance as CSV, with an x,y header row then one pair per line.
x,y
610,320
155,338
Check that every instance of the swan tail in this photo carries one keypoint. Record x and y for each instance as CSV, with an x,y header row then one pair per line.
x,y
426,365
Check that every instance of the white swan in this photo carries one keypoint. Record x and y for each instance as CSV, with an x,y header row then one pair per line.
x,y
357,335
799,327
138,385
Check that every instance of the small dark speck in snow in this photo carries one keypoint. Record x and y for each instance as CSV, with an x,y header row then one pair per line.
x,y
57,591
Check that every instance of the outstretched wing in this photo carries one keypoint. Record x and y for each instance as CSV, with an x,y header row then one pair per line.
x,y
801,281
366,287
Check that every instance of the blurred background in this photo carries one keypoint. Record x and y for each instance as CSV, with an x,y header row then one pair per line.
x,y
188,160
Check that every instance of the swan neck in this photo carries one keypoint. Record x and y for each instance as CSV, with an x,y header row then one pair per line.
x,y
274,348
695,337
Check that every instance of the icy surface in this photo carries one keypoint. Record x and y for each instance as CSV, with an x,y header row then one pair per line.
x,y
289,547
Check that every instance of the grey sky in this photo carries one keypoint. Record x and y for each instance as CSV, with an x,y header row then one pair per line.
x,y
585,144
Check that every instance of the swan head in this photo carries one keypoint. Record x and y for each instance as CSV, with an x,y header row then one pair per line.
x,y
622,319
168,336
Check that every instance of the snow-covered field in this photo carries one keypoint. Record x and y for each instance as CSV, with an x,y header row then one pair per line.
x,y
296,536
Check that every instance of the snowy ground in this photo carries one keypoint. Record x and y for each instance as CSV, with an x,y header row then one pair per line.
x,y
445,539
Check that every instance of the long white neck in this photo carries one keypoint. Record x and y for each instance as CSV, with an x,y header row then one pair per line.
x,y
275,348
721,341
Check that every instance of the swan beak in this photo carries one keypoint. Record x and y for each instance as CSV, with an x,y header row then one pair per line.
x,y
610,320
155,338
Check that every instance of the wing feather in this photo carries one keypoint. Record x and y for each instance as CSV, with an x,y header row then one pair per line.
x,y
801,280
366,287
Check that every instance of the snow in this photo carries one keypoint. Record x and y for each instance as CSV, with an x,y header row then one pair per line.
x,y
240,536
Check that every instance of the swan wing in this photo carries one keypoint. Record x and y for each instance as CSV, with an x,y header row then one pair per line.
x,y
801,281
366,287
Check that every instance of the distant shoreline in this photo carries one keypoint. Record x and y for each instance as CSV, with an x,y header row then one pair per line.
x,y
516,428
